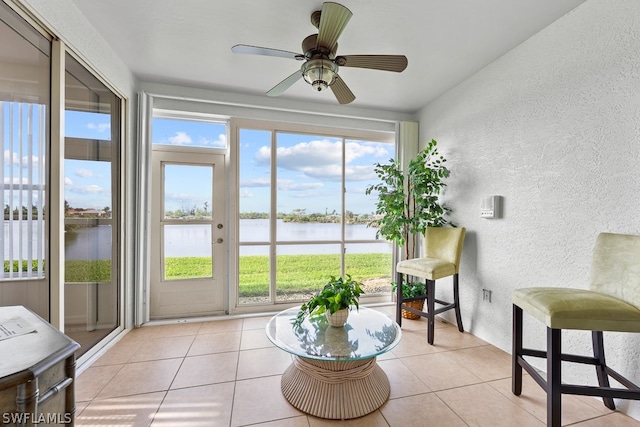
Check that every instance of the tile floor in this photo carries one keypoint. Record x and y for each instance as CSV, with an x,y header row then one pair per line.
x,y
227,373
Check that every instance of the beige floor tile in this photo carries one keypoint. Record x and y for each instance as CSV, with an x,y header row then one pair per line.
x,y
614,419
300,421
180,328
421,324
80,407
206,369
163,348
387,356
439,371
402,380
221,326
121,352
481,405
374,419
206,406
142,377
215,343
130,411
93,380
259,400
424,410
486,362
255,322
254,338
414,343
262,362
533,400
449,338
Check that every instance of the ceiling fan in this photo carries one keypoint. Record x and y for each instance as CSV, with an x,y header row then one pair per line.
x,y
321,65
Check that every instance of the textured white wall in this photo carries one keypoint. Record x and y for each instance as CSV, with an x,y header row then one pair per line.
x,y
554,127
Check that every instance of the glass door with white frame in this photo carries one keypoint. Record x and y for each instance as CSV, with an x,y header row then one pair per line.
x,y
188,234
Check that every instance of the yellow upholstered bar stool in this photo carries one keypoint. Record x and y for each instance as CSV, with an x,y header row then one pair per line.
x,y
442,251
612,303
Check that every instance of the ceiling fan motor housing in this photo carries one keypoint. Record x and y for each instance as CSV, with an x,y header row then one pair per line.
x,y
319,73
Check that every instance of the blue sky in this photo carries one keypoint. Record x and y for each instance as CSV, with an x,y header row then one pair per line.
x,y
87,183
308,173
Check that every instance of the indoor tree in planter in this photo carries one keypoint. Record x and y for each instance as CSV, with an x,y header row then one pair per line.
x,y
409,203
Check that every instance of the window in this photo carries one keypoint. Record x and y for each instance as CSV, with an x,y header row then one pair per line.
x,y
172,128
24,129
304,214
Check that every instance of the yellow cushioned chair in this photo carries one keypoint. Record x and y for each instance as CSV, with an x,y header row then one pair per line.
x,y
442,250
612,303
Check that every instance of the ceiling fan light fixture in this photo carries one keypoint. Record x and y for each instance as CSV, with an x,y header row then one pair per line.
x,y
319,73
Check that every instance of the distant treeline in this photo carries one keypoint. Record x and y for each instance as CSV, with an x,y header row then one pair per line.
x,y
300,215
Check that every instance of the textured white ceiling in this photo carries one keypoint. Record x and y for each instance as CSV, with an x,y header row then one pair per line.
x,y
189,42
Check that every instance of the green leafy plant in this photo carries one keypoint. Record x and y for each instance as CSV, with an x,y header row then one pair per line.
x,y
337,294
410,290
408,204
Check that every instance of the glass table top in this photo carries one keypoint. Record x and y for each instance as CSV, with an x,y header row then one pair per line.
x,y
367,333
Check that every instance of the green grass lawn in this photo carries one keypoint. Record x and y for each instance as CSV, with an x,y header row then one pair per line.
x,y
295,274
304,274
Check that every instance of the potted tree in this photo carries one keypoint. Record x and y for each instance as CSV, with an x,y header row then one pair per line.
x,y
335,299
409,203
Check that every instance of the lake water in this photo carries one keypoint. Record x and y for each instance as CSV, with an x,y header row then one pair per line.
x,y
193,240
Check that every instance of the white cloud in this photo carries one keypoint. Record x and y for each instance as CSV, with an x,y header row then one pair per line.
x,y
87,189
246,194
100,127
84,173
12,158
220,142
68,181
256,182
15,180
322,159
180,138
290,185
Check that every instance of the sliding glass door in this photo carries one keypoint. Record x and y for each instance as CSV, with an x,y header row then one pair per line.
x,y
92,144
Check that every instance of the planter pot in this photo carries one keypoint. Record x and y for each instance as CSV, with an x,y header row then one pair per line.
x,y
419,305
339,318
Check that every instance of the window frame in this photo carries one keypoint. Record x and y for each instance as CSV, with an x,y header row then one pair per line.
x,y
346,134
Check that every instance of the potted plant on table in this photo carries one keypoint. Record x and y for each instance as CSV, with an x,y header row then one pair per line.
x,y
335,299
408,203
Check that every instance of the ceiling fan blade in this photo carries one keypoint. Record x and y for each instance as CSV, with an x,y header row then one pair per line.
x,y
395,63
341,91
333,19
279,89
266,51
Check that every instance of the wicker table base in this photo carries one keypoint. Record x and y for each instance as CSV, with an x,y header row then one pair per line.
x,y
337,390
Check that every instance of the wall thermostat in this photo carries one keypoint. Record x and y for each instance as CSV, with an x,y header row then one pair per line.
x,y
490,207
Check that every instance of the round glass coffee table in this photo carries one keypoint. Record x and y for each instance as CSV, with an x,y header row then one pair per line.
x,y
334,373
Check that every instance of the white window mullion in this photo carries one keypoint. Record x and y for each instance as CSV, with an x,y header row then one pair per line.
x,y
30,192
11,183
42,140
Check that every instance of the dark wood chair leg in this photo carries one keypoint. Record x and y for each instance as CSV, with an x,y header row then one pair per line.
x,y
554,378
431,306
456,301
603,378
516,351
399,299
